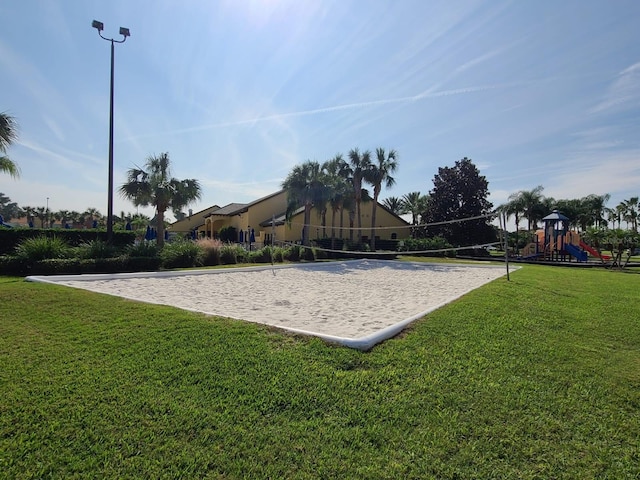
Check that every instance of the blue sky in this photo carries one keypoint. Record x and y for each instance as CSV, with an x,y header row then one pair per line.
x,y
239,91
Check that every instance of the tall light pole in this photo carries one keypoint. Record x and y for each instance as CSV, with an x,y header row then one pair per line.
x,y
125,33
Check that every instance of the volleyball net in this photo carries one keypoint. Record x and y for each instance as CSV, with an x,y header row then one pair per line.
x,y
443,238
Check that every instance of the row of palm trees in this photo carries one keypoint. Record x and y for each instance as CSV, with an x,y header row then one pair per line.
x,y
412,203
339,184
87,219
151,185
8,135
589,211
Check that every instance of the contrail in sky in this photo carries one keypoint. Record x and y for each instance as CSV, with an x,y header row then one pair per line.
x,y
346,106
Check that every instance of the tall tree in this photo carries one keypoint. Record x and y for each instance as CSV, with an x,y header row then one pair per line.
x,y
339,189
379,174
9,209
413,203
514,208
304,188
460,192
394,204
532,206
8,135
360,164
155,186
630,209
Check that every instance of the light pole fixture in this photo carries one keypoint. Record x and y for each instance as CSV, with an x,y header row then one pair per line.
x,y
125,33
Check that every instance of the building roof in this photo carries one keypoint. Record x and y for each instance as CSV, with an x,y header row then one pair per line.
x,y
231,209
280,219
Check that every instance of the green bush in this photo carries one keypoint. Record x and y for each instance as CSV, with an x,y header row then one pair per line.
x,y
12,237
143,264
292,253
143,249
242,255
309,254
262,255
181,254
278,254
228,255
211,251
425,244
96,249
42,247
321,254
228,234
12,265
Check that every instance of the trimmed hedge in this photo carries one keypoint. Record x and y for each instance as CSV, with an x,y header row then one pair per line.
x,y
11,237
68,266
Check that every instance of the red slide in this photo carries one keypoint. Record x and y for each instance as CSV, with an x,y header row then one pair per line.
x,y
593,251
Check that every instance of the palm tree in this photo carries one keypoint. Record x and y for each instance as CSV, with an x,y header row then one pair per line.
x,y
380,173
531,200
630,214
62,216
338,190
304,188
515,207
597,204
360,167
413,203
30,213
416,204
92,214
154,186
394,204
8,135
42,213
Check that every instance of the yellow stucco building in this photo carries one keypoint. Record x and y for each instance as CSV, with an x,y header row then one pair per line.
x,y
265,218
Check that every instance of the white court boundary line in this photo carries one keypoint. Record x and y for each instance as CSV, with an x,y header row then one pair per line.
x,y
361,343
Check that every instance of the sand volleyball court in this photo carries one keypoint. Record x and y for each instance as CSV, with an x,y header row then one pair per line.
x,y
357,303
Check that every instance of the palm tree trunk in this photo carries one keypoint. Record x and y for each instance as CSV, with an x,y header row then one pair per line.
x,y
342,224
333,229
160,230
359,214
307,220
352,215
374,208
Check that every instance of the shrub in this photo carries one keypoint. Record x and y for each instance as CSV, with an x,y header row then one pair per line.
x,y
143,249
277,254
96,249
228,234
229,254
12,265
42,247
241,254
422,244
143,264
292,253
211,250
321,254
11,238
309,254
262,255
181,254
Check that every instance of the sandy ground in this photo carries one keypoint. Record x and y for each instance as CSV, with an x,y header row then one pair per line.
x,y
348,300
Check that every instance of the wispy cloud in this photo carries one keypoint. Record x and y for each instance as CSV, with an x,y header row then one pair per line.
x,y
316,111
624,92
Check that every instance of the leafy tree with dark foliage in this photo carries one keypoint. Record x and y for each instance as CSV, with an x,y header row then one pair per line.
x,y
460,192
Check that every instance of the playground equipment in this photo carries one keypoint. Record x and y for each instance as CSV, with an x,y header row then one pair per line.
x,y
557,243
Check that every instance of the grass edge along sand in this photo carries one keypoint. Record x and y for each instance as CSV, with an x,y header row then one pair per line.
x,y
534,378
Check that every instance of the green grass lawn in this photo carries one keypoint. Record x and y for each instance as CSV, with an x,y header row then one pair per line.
x,y
534,378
